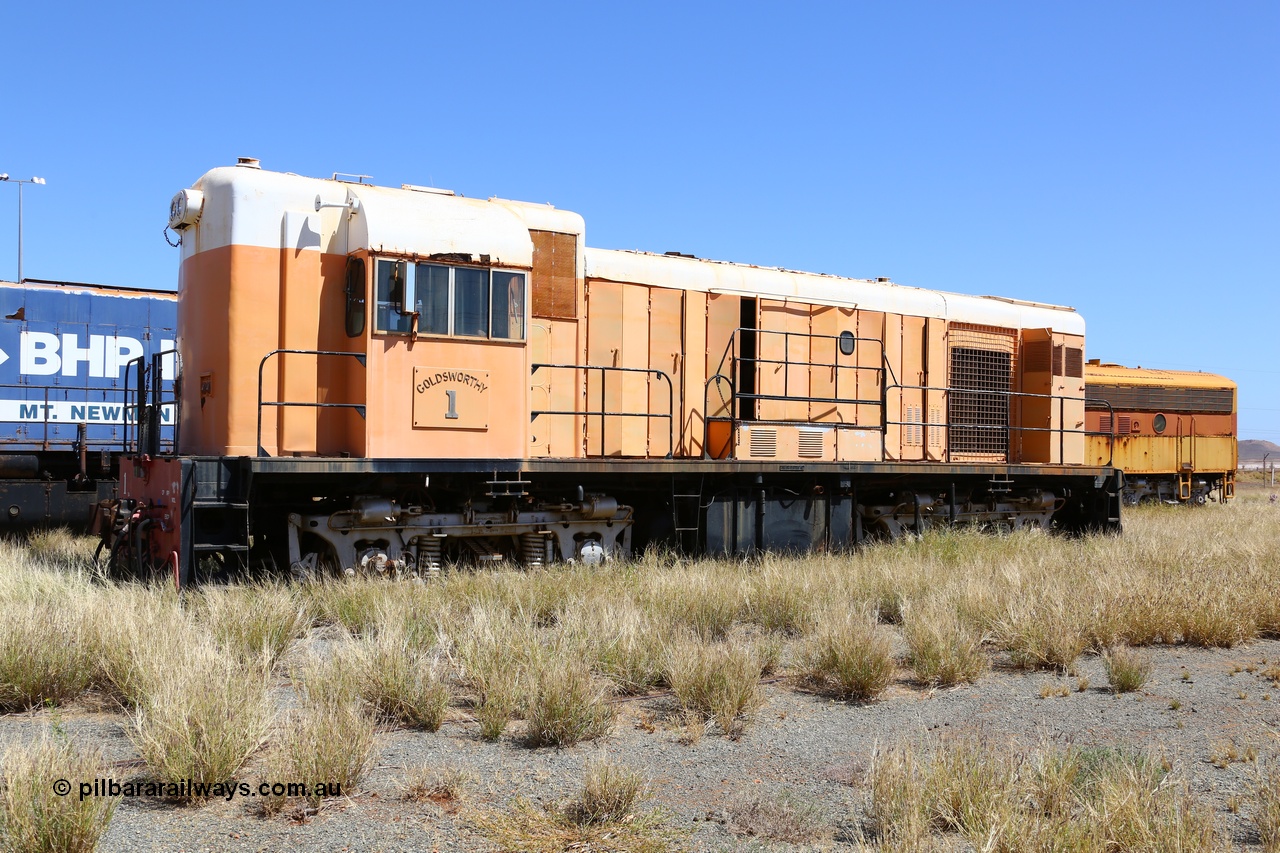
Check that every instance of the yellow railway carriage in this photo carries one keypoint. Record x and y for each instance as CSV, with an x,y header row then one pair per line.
x,y
397,379
1172,432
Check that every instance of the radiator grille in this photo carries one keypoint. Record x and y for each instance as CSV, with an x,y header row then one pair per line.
x,y
1143,399
811,444
764,442
978,406
1104,424
1124,424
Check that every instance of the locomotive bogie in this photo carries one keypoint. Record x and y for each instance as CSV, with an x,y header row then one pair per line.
x,y
378,536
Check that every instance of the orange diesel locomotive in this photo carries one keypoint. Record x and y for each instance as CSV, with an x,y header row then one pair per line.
x,y
1172,432
396,379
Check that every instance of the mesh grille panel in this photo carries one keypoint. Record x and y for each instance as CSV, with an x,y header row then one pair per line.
x,y
982,362
979,419
1143,399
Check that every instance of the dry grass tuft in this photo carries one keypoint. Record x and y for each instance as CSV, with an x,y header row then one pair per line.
x,y
625,644
1266,808
1071,800
328,742
1044,635
565,704
848,655
602,817
48,653
255,623
942,649
719,682
402,683
1127,668
60,547
440,785
782,817
35,818
700,598
203,720
610,794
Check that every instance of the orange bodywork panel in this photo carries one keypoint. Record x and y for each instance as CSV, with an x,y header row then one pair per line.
x,y
555,389
406,387
248,285
1049,420
694,375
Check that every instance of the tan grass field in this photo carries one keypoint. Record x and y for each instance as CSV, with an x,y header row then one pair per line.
x,y
273,681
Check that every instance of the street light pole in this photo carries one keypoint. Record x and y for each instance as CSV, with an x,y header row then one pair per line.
x,y
5,177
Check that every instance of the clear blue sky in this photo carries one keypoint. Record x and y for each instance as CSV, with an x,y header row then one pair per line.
x,y
1122,158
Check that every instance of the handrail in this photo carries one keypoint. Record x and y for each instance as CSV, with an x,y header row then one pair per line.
x,y
153,411
881,371
602,414
359,407
1008,397
1111,416
51,396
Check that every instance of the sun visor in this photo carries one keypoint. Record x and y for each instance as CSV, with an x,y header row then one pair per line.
x,y
431,223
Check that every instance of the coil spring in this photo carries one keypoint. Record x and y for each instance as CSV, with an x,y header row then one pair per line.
x,y
429,551
533,550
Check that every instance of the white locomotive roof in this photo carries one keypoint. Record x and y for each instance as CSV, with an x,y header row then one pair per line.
x,y
685,273
243,205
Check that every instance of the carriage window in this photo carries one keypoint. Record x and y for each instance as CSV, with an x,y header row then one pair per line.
x,y
432,295
390,297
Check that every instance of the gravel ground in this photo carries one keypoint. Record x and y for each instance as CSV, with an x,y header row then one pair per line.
x,y
802,743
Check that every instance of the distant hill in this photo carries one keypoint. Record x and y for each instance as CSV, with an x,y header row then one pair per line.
x,y
1252,450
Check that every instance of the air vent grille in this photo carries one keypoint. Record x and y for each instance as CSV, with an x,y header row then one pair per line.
x,y
811,443
1140,398
764,442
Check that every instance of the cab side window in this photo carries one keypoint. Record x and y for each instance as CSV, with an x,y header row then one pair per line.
x,y
355,297
391,285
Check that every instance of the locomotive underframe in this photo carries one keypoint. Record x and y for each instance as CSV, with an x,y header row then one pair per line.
x,y
201,517
1196,488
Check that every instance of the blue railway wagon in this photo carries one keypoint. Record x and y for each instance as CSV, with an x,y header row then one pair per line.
x,y
67,353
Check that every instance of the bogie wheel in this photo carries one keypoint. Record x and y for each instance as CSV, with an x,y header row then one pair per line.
x,y
319,560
